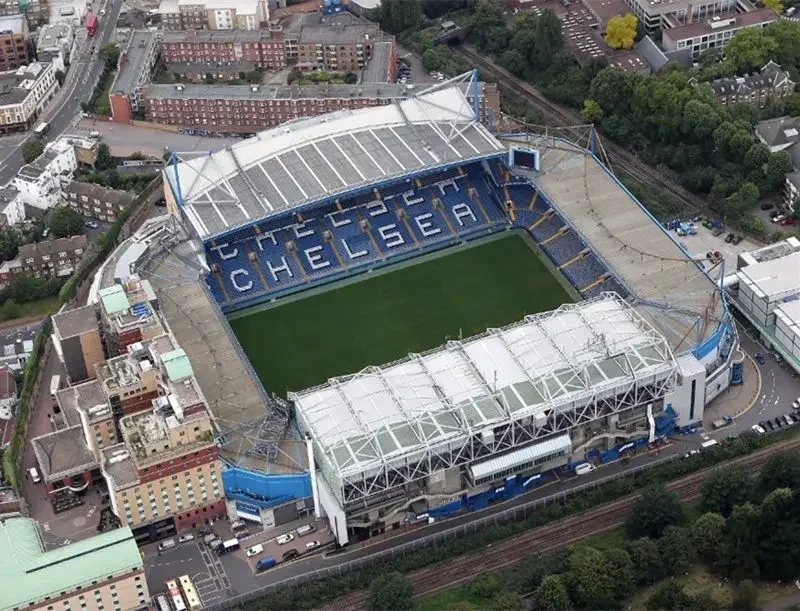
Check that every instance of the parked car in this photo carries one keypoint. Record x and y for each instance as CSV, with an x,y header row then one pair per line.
x,y
584,468
311,545
289,554
778,422
255,550
788,221
166,544
729,238
691,453
738,239
185,538
209,539
796,403
779,218
265,563
788,420
767,206
768,424
284,539
91,224
306,529
758,430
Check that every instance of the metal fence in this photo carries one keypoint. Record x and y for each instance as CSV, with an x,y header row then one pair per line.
x,y
511,514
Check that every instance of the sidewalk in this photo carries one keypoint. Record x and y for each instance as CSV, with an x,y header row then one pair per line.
x,y
736,399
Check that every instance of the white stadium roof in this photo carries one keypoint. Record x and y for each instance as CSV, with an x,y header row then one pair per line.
x,y
308,160
554,360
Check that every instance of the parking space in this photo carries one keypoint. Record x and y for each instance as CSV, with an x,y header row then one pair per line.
x,y
704,242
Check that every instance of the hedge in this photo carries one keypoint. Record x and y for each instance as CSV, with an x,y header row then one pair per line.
x,y
317,593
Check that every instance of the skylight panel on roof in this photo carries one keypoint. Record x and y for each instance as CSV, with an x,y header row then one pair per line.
x,y
790,133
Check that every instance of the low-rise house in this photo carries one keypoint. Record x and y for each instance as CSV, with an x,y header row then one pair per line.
x,y
96,201
770,84
783,134
53,257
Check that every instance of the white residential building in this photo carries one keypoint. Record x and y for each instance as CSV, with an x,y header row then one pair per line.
x,y
39,182
12,208
23,95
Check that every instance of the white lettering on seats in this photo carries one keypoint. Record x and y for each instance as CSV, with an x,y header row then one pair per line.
x,y
450,182
350,253
337,222
225,256
391,236
462,211
300,229
316,261
268,235
242,288
410,200
376,208
275,269
427,229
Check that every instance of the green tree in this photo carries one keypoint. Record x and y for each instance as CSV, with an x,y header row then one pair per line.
x,y
668,596
622,571
775,5
727,487
778,551
390,592
700,119
741,539
10,310
110,54
253,77
647,564
756,156
588,580
745,597
60,76
707,533
508,600
488,18
485,585
351,78
621,31
552,595
591,111
432,59
778,165
104,159
31,149
65,222
399,15
676,549
612,89
705,601
750,48
653,512
10,241
787,36
781,471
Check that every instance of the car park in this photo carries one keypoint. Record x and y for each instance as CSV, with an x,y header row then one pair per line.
x,y
284,539
758,430
185,538
289,554
312,545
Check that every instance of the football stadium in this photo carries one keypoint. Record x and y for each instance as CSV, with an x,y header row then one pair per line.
x,y
396,314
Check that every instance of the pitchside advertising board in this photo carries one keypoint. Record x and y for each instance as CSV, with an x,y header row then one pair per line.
x,y
389,231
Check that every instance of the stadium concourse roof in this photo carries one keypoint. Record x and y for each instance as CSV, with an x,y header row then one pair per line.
x,y
308,160
362,422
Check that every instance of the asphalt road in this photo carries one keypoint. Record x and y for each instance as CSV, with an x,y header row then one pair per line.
x,y
81,78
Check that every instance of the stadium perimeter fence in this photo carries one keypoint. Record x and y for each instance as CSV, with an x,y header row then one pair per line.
x,y
512,514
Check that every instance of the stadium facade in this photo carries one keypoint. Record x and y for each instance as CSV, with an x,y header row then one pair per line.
x,y
476,420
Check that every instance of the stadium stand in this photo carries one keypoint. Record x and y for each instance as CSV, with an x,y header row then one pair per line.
x,y
584,271
564,247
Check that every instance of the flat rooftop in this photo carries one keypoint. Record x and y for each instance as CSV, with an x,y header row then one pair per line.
x,y
670,289
740,20
525,371
89,397
75,322
129,71
63,453
29,573
12,23
118,465
192,91
774,278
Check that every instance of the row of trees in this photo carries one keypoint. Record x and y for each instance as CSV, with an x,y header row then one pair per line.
x,y
749,529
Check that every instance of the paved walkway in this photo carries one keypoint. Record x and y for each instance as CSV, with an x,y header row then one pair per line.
x,y
737,399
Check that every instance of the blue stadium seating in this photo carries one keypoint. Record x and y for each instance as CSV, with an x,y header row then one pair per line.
x,y
564,247
367,230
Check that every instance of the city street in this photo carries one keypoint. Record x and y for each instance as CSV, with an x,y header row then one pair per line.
x,y
65,106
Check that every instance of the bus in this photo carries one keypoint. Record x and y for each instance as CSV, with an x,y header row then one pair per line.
x,y
189,592
42,129
162,604
91,24
175,595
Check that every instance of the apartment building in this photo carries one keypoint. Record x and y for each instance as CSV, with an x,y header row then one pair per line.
x,y
252,108
165,475
56,258
102,572
96,201
213,14
55,43
339,43
12,208
714,33
663,14
128,314
134,68
220,48
23,95
768,85
14,49
39,182
78,343
33,9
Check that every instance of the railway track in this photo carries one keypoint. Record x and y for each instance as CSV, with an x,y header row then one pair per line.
x,y
561,533
619,158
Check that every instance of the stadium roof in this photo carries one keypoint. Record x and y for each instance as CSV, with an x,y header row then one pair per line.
x,y
309,160
28,573
363,422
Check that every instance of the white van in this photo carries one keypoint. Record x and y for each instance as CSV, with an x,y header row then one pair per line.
x,y
306,529
34,475
94,135
166,544
584,468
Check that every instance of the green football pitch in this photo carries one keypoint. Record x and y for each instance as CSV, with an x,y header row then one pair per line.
x,y
410,307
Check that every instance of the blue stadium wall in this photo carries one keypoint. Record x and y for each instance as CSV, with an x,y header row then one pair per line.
x,y
264,490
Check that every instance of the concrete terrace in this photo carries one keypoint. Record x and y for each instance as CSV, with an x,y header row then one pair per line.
x,y
670,290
